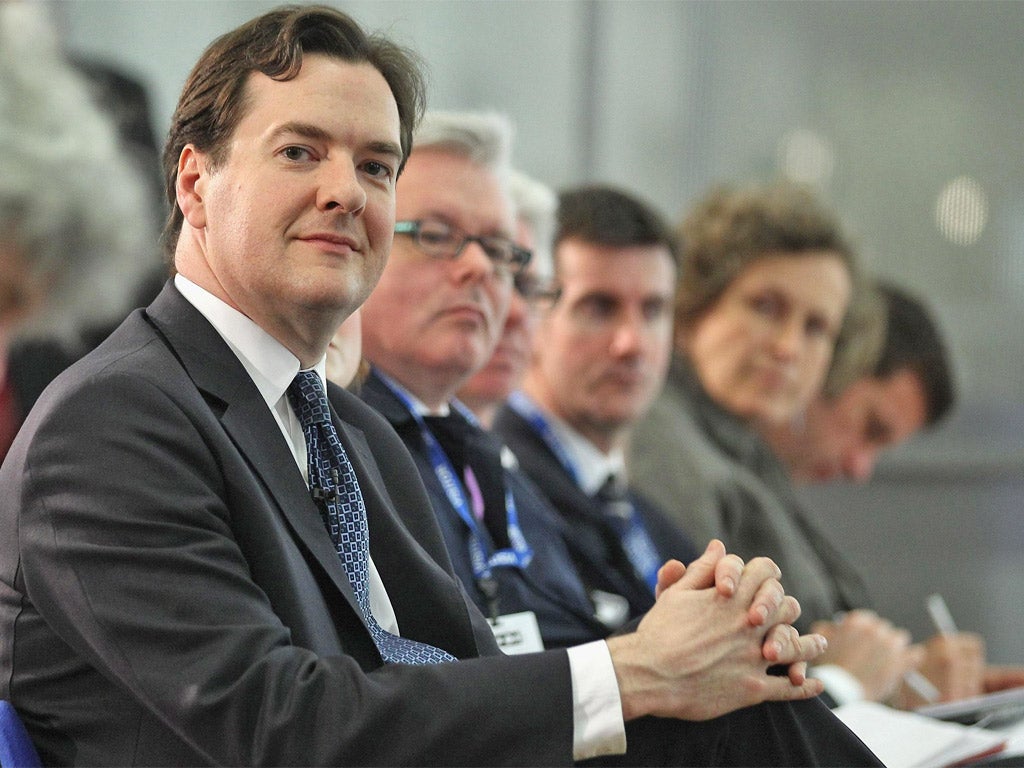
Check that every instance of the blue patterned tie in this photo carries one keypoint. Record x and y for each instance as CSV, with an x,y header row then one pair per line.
x,y
333,483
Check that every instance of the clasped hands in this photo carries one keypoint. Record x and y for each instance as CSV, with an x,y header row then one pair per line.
x,y
705,647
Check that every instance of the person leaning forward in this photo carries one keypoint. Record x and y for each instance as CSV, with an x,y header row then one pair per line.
x,y
169,593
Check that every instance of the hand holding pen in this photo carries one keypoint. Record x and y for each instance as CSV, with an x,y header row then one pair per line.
x,y
872,650
954,661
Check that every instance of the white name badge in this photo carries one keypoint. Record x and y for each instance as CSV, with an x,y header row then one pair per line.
x,y
517,632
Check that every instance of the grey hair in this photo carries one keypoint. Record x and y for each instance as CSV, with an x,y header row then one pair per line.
x,y
484,138
536,203
71,203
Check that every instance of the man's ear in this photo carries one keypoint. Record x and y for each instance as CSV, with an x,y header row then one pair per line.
x,y
190,187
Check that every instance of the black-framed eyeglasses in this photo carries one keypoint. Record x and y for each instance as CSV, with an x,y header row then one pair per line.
x,y
535,289
443,241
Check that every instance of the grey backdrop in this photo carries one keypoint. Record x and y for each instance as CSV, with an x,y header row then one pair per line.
x,y
881,103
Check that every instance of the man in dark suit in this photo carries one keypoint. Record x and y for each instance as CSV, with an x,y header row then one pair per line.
x,y
169,591
601,357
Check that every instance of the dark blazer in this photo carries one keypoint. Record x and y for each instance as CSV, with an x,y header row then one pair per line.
x,y
170,596
594,543
549,586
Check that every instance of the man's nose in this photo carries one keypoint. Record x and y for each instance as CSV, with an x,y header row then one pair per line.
x,y
340,187
628,338
474,263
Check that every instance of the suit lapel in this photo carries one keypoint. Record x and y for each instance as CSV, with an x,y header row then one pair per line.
x,y
596,547
232,395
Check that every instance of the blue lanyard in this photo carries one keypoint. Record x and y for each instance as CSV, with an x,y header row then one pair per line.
x,y
525,407
635,538
520,554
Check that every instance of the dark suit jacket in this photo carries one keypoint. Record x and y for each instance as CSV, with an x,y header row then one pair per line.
x,y
594,543
169,595
549,586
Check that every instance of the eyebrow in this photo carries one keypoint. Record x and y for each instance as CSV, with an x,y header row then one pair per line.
x,y
316,133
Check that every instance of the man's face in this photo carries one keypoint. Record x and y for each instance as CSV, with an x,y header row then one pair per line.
x,y
432,322
602,349
844,437
762,349
296,223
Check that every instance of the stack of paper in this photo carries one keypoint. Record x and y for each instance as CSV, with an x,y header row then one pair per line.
x,y
909,740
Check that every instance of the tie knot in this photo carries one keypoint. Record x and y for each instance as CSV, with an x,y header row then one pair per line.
x,y
308,399
612,490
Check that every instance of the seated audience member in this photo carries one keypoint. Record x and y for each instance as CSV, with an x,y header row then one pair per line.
x,y
69,202
500,512
599,357
430,323
485,391
766,280
767,277
907,387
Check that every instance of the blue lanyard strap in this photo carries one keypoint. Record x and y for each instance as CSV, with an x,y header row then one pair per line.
x,y
483,562
519,402
635,538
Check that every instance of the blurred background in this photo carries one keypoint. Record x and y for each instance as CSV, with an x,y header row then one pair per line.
x,y
907,116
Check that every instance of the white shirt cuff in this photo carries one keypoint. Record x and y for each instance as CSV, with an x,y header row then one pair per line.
x,y
598,727
843,687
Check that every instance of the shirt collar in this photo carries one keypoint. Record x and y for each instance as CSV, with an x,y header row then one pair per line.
x,y
592,465
269,363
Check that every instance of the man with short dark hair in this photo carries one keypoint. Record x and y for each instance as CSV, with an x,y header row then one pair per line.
x,y
599,360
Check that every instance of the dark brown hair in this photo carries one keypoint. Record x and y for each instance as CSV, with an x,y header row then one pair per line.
x,y
602,215
913,341
213,100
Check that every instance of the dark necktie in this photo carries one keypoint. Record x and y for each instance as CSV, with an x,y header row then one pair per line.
x,y
333,484
627,523
467,446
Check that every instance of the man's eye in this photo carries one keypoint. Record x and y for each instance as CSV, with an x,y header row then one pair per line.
x,y
596,308
296,153
819,328
436,238
378,170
